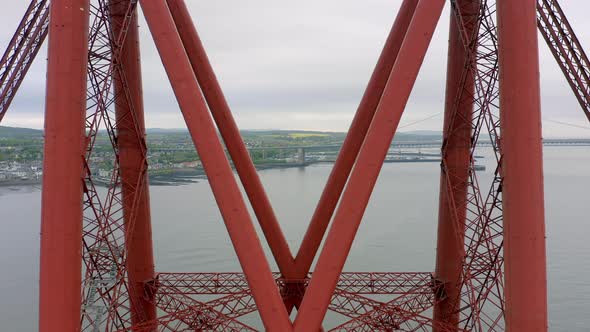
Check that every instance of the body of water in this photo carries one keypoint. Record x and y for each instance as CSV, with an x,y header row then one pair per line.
x,y
398,232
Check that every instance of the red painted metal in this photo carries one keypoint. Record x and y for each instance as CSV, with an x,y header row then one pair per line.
x,y
225,189
22,50
384,283
366,170
481,304
182,313
522,167
353,141
456,158
402,313
231,136
407,295
132,151
119,291
567,50
61,211
108,301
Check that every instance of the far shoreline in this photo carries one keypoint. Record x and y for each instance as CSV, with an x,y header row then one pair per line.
x,y
174,177
177,177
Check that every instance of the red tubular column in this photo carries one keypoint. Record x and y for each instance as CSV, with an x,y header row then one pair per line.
x,y
133,164
354,139
522,166
61,206
456,163
231,135
368,165
220,175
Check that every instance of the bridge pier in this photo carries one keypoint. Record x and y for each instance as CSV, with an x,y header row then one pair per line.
x,y
301,156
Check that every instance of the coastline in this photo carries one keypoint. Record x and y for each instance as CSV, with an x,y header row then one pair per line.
x,y
176,177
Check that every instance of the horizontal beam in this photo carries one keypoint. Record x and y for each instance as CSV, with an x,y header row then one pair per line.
x,y
385,283
411,293
186,313
388,316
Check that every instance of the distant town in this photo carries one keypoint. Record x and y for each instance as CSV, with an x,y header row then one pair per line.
x,y
172,157
171,152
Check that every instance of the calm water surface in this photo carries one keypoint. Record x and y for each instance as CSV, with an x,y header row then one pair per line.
x,y
398,232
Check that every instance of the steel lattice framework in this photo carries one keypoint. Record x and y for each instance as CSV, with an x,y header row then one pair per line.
x,y
106,292
21,51
481,280
566,48
477,284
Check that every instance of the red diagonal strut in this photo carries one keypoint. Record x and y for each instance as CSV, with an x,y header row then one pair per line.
x,y
369,163
225,189
22,50
353,141
231,135
567,50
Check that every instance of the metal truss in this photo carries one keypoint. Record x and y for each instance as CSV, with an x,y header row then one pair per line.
x,y
234,283
182,312
22,50
105,299
566,48
177,294
481,282
370,301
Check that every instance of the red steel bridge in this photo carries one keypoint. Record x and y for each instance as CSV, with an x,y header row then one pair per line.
x,y
97,267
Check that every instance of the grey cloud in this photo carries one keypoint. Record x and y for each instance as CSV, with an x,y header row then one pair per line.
x,y
304,64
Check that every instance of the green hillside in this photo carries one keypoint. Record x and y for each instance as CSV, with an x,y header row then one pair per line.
x,y
14,132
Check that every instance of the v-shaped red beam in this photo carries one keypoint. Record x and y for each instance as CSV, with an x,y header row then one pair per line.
x,y
399,71
246,170
368,165
354,140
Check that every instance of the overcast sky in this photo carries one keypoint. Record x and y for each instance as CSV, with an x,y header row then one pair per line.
x,y
303,65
